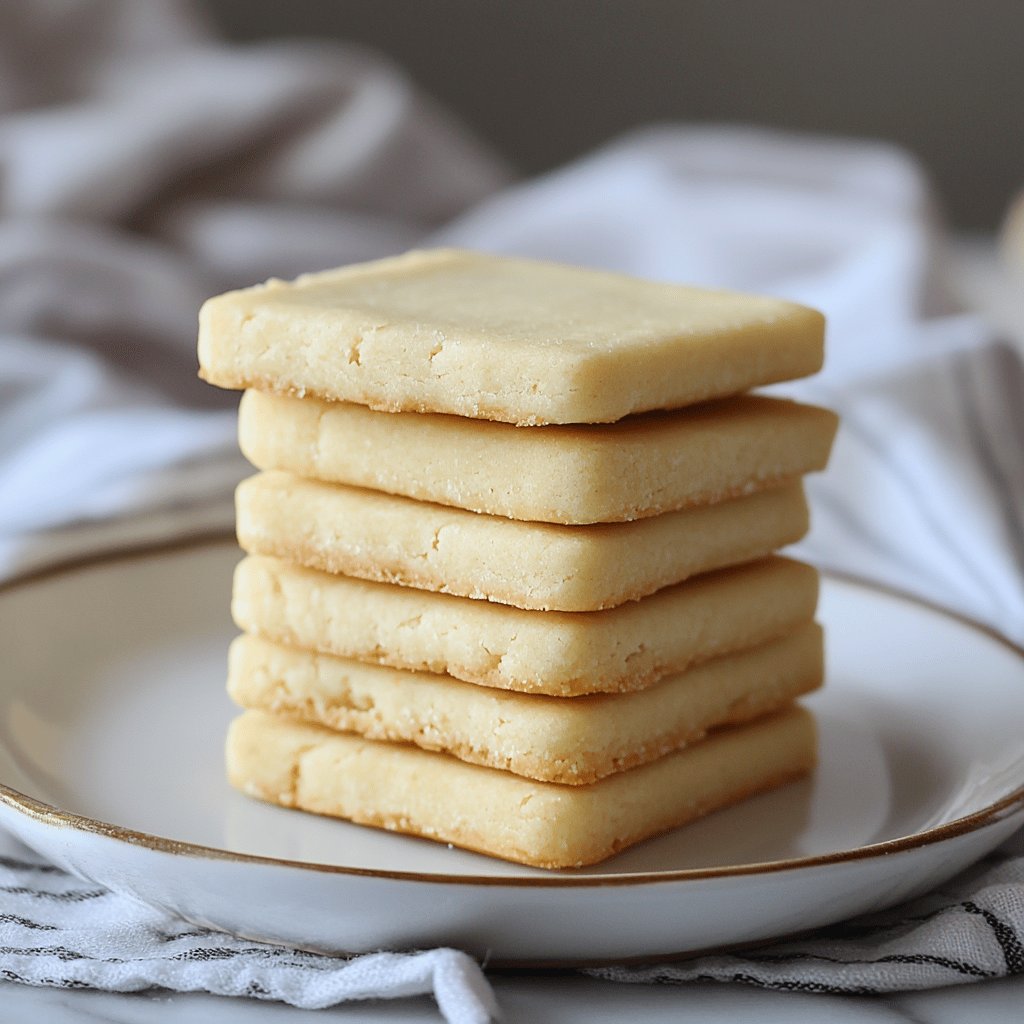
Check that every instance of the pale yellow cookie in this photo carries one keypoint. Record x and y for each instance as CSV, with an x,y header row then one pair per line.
x,y
502,339
561,653
573,740
639,467
378,536
405,789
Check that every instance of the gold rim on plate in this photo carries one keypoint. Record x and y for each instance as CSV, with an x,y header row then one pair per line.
x,y
47,814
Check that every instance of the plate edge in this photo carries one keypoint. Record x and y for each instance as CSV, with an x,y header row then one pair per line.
x,y
47,814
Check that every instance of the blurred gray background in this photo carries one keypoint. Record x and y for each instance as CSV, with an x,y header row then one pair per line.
x,y
546,80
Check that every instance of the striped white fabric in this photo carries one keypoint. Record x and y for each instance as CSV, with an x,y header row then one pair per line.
x,y
970,929
57,930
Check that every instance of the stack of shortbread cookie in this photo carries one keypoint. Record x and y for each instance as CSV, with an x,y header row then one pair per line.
x,y
511,581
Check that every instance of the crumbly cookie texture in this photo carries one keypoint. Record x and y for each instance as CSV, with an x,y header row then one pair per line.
x,y
504,339
633,469
405,789
572,740
541,566
560,653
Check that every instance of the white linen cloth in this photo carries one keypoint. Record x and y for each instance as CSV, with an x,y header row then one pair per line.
x,y
59,931
143,167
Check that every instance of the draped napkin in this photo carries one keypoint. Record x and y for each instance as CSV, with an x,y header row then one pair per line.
x,y
145,166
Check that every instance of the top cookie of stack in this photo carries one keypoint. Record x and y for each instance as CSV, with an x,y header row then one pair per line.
x,y
519,341
597,423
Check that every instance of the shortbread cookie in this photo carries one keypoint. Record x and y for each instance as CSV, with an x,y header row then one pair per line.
x,y
502,339
561,653
405,789
378,536
639,467
573,740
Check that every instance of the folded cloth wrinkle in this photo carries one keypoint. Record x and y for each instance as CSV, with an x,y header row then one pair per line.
x,y
235,236
299,121
790,217
68,414
59,931
929,445
127,176
146,166
968,932
52,53
125,297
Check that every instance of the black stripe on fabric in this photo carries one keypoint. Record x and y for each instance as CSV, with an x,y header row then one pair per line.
x,y
7,975
27,865
60,952
24,922
72,896
1009,941
196,933
206,933
271,957
960,966
209,954
790,985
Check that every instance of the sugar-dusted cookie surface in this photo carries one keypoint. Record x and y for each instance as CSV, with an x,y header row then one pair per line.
x,y
382,537
405,789
503,339
572,740
561,653
640,467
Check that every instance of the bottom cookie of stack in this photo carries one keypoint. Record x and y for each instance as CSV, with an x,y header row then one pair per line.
x,y
543,824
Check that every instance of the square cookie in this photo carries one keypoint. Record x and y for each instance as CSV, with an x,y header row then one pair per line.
x,y
572,740
495,338
560,653
642,466
404,789
377,536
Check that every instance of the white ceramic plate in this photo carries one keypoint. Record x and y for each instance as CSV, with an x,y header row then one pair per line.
x,y
112,713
